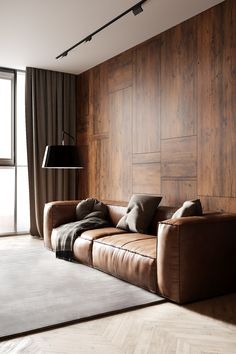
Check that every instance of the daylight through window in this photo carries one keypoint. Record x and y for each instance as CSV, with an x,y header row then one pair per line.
x,y
14,191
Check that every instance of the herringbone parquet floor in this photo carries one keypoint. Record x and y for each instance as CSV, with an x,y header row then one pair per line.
x,y
204,327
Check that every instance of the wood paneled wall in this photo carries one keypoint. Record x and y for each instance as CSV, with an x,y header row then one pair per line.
x,y
160,118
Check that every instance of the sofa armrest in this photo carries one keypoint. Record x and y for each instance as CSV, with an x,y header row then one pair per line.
x,y
55,214
196,257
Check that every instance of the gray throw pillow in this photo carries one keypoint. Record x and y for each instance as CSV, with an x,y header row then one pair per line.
x,y
189,208
89,206
140,211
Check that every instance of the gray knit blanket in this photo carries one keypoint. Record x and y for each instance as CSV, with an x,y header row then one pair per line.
x,y
90,214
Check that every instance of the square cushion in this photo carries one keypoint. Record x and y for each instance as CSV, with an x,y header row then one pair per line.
x,y
140,211
189,208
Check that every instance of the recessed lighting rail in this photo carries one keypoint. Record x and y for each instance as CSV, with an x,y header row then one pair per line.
x,y
136,9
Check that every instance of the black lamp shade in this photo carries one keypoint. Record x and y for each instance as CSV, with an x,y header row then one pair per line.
x,y
61,156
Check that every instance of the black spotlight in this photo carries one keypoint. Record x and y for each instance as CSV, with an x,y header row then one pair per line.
x,y
137,10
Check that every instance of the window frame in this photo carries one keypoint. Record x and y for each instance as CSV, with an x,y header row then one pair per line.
x,y
12,163
10,74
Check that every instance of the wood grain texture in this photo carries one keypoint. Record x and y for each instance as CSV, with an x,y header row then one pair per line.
x,y
83,107
182,113
179,157
175,192
147,178
99,178
217,101
99,88
178,80
83,94
83,186
82,124
120,162
146,118
218,204
120,71
203,327
147,158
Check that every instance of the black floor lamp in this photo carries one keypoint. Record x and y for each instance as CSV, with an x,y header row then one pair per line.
x,y
62,156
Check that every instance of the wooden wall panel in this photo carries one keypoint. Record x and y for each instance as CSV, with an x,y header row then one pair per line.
x,y
147,178
99,166
218,204
83,94
179,157
160,117
175,192
217,101
100,99
146,118
120,165
83,108
147,158
83,175
120,71
82,125
178,81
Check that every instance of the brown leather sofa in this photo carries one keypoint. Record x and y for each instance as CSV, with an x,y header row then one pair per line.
x,y
183,259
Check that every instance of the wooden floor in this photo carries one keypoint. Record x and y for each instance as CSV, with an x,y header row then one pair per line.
x,y
204,327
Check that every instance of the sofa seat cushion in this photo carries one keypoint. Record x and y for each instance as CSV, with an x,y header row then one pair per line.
x,y
131,257
98,233
83,244
129,242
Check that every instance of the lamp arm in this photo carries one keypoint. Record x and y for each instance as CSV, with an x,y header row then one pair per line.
x,y
63,133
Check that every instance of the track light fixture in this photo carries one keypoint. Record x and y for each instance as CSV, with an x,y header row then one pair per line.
x,y
136,9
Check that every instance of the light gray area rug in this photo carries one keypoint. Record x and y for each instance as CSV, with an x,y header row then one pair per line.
x,y
38,291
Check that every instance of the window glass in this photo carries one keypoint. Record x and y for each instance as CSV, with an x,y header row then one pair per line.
x,y
22,200
5,117
14,189
7,200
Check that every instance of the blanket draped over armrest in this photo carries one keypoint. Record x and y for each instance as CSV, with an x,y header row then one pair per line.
x,y
90,214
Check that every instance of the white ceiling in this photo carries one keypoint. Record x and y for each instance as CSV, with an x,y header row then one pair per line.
x,y
33,32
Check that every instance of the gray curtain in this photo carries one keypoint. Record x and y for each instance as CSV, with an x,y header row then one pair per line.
x,y
50,109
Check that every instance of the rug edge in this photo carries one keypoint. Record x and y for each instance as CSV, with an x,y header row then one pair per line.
x,y
80,320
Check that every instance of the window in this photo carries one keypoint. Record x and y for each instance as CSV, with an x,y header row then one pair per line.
x,y
7,80
14,191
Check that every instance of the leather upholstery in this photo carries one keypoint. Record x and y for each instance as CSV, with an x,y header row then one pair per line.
x,y
55,214
131,257
83,244
192,257
61,212
163,213
97,233
196,257
123,240
116,212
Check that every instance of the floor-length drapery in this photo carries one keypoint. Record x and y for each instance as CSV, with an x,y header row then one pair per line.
x,y
50,109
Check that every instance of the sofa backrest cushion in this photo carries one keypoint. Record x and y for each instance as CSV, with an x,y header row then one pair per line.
x,y
162,213
116,212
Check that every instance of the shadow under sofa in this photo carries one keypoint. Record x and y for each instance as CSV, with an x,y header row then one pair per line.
x,y
183,259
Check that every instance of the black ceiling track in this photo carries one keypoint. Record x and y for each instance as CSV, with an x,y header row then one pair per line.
x,y
137,9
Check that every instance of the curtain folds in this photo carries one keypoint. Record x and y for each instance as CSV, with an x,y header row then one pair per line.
x,y
50,109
